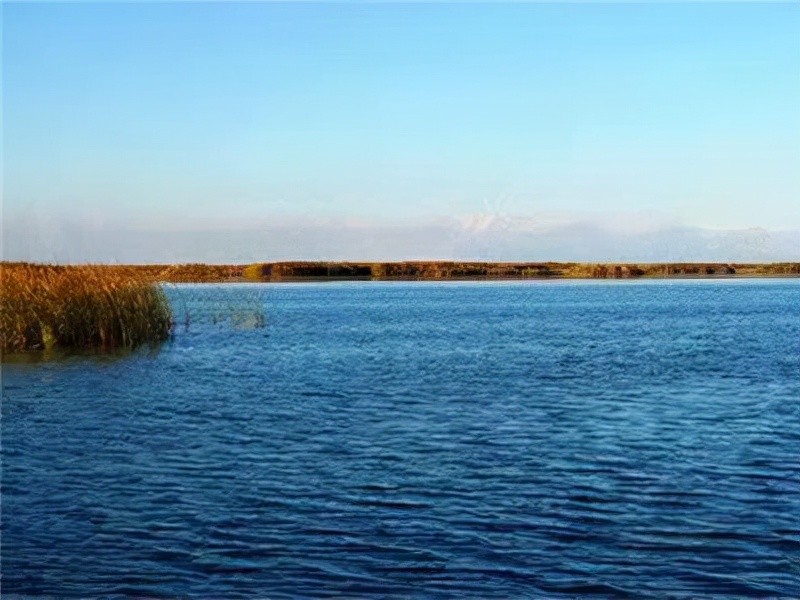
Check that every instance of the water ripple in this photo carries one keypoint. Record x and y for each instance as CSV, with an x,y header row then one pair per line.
x,y
418,440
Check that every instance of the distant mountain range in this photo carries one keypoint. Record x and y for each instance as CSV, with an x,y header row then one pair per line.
x,y
477,238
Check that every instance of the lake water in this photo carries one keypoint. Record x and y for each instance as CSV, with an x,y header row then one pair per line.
x,y
424,439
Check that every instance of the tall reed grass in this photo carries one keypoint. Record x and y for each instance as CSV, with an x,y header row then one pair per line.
x,y
44,306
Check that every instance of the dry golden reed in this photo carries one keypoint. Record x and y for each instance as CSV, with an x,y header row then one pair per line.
x,y
43,306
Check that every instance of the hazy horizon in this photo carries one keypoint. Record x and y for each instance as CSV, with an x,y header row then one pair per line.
x,y
236,132
483,237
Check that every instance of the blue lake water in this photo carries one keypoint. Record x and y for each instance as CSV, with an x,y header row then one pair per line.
x,y
422,440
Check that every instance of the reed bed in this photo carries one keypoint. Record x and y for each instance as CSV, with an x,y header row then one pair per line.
x,y
43,306
196,273
435,270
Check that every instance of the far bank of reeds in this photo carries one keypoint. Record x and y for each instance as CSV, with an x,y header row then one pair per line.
x,y
443,270
43,306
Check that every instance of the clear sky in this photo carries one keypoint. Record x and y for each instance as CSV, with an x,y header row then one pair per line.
x,y
230,115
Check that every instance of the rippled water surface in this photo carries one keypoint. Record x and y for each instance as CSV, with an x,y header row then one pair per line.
x,y
418,440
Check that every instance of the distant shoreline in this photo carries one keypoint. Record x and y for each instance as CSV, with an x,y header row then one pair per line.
x,y
533,278
295,271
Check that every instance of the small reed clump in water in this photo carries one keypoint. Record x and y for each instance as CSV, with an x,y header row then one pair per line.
x,y
44,306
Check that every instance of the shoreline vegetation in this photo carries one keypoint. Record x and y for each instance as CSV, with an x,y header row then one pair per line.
x,y
420,270
413,270
124,306
43,307
444,270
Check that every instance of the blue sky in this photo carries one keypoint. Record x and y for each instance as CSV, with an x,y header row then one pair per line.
x,y
224,116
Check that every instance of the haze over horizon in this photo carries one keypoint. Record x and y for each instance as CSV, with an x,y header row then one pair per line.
x,y
241,132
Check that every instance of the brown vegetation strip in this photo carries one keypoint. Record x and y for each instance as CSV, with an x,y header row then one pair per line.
x,y
442,270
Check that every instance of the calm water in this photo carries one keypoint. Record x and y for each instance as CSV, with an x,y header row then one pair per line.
x,y
418,440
